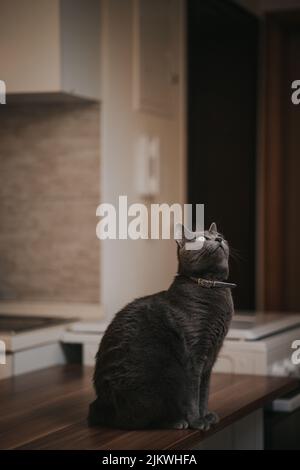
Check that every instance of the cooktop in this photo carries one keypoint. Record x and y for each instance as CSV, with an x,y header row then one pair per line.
x,y
20,323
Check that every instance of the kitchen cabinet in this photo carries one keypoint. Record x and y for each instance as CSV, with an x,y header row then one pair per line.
x,y
50,49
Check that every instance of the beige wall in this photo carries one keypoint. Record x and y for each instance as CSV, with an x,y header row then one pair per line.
x,y
134,268
49,190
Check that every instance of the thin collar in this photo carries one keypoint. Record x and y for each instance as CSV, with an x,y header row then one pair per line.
x,y
208,283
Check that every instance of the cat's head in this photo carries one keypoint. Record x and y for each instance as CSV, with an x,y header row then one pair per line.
x,y
202,253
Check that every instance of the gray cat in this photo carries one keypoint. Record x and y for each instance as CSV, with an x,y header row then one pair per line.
x,y
155,359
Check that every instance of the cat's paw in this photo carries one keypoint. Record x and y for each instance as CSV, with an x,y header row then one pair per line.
x,y
201,424
212,417
205,422
182,424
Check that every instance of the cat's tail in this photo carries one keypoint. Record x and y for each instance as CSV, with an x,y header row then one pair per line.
x,y
99,415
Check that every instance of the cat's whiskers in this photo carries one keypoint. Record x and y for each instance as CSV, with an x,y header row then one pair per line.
x,y
235,254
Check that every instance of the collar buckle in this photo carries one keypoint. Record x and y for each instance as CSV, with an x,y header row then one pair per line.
x,y
205,283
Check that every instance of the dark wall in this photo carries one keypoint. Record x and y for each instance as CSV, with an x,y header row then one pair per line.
x,y
222,100
291,174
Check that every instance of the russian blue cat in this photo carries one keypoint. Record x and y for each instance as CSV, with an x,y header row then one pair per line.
x,y
155,359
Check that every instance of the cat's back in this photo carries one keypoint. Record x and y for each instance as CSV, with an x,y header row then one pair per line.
x,y
140,324
140,338
136,313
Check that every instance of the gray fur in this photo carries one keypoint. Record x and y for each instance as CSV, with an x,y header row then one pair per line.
x,y
155,359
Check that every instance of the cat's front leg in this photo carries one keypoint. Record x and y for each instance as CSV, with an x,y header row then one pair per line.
x,y
194,396
204,392
206,418
193,402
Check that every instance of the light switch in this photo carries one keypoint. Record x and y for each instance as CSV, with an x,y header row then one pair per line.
x,y
154,166
148,166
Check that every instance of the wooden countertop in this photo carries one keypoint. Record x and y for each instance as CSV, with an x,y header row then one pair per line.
x,y
47,410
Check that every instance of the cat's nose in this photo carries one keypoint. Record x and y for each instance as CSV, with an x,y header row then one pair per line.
x,y
219,239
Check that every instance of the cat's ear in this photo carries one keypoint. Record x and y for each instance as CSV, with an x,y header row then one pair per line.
x,y
182,234
213,228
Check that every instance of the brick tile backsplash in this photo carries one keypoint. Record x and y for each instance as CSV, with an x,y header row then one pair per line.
x,y
49,191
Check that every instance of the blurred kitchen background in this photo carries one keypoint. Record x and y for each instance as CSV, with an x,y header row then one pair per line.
x,y
91,85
